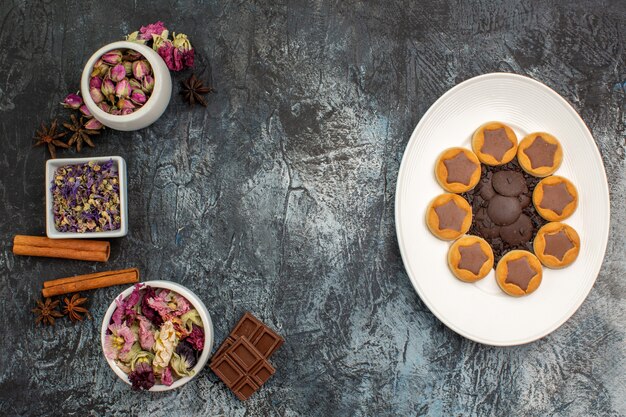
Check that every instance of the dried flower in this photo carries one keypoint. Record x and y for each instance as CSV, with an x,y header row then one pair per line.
x,y
50,138
147,33
128,67
81,133
119,341
134,37
118,73
93,124
108,88
95,82
125,104
147,84
122,89
73,308
85,111
141,68
146,336
142,377
187,352
131,55
100,69
46,312
134,84
196,338
181,365
193,89
166,51
166,377
149,312
72,101
104,107
138,97
164,345
127,111
96,95
112,57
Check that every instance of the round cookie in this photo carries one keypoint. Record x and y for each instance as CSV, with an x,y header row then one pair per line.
x,y
457,170
556,245
555,198
470,258
494,143
448,216
519,273
540,154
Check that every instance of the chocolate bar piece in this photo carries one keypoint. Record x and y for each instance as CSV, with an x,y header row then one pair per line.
x,y
242,368
262,337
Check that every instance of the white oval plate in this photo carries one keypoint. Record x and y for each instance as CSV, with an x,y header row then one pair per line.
x,y
481,311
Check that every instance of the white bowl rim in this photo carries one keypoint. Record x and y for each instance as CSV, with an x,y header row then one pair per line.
x,y
204,315
51,230
148,54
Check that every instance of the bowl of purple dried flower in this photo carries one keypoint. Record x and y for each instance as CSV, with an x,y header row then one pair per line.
x,y
126,85
157,335
86,198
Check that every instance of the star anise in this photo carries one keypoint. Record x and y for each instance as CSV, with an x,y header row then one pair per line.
x,y
73,308
51,138
81,133
193,89
47,311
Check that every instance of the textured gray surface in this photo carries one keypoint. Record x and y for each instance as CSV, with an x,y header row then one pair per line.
x,y
278,198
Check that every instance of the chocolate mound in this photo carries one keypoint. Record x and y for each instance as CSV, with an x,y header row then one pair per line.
x,y
517,229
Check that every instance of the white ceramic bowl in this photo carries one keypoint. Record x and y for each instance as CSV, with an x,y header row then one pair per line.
x,y
52,165
151,110
206,321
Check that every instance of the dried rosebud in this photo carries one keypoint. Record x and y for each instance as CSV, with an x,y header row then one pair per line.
x,y
122,89
99,68
181,42
134,84
134,37
115,112
132,55
166,51
128,66
118,73
96,95
138,97
148,32
125,103
127,111
93,124
72,101
104,107
95,82
141,69
147,84
112,57
108,87
85,111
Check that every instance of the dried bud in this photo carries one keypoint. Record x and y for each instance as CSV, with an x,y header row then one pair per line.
x,y
122,89
108,87
181,42
115,112
93,124
96,95
118,73
134,84
112,57
128,66
138,97
99,68
141,69
134,37
147,84
127,111
85,111
95,82
132,55
124,103
104,107
72,101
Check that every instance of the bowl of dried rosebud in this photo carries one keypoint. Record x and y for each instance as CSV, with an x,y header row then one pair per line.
x,y
126,85
86,198
157,335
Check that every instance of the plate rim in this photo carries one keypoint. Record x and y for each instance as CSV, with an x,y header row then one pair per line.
x,y
399,233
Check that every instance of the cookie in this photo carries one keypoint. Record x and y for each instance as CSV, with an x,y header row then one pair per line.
x,y
494,143
519,273
470,258
540,154
457,170
448,216
555,198
556,245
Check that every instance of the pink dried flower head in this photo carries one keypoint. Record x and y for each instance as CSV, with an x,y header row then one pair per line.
x,y
85,111
142,377
104,107
141,68
93,124
138,97
146,32
122,89
112,57
147,84
118,73
146,335
95,82
171,56
166,377
96,95
119,341
72,101
125,104
107,88
196,338
188,58
128,66
127,111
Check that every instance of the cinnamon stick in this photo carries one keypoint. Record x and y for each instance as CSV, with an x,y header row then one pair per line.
x,y
81,249
89,282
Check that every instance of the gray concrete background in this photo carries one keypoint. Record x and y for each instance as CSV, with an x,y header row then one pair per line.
x,y
278,199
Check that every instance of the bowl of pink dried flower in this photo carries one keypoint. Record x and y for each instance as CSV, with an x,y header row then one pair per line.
x,y
157,335
126,85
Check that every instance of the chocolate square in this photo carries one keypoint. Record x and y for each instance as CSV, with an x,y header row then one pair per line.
x,y
228,371
267,341
248,327
228,342
245,388
262,372
244,353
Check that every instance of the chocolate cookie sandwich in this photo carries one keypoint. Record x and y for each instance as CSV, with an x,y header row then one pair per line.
x,y
448,216
457,170
557,245
470,258
540,154
519,273
555,198
494,143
